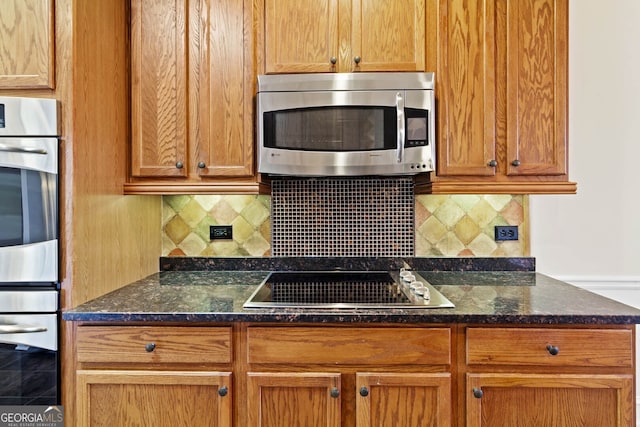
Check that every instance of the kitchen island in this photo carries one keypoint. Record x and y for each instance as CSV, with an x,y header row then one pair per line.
x,y
518,345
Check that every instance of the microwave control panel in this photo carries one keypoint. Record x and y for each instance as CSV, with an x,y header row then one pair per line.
x,y
417,128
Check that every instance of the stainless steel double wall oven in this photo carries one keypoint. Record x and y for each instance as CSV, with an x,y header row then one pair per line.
x,y
29,283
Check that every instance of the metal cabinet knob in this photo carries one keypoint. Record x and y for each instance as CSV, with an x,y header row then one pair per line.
x,y
516,163
335,392
223,391
356,59
477,393
492,163
552,349
333,60
150,347
364,392
179,165
201,165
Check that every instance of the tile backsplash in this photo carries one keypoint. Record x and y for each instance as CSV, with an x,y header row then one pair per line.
x,y
338,217
445,225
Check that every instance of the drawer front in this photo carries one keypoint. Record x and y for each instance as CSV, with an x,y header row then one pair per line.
x,y
151,344
349,346
556,347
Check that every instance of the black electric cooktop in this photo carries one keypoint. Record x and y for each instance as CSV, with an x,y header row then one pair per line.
x,y
342,289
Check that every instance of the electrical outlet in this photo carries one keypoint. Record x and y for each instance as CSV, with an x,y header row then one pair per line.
x,y
506,232
220,232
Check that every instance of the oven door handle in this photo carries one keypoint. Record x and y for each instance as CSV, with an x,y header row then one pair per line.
x,y
29,150
12,328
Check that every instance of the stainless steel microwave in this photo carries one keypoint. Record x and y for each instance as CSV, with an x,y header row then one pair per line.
x,y
346,124
28,191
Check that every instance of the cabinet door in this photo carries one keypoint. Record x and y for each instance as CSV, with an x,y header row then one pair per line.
x,y
158,88
221,133
27,44
293,399
537,36
153,398
505,400
300,36
465,88
418,400
387,36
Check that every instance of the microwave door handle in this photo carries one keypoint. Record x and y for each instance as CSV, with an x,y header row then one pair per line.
x,y
20,329
11,149
401,126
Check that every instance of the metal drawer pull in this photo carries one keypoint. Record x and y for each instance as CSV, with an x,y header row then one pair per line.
x,y
11,328
552,349
364,392
150,347
335,392
477,393
223,391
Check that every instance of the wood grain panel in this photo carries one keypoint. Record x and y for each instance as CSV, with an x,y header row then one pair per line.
x,y
408,400
293,399
300,37
27,44
537,86
158,88
112,344
422,346
465,88
577,347
221,132
388,36
547,400
153,398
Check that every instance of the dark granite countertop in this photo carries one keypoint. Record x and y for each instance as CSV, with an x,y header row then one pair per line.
x,y
513,295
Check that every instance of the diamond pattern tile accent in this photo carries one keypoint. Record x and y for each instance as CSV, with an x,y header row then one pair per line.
x,y
186,221
463,225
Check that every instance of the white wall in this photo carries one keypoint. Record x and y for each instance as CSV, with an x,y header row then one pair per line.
x,y
597,232
593,239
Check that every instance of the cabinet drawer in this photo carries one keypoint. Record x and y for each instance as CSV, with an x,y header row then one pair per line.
x,y
384,346
154,344
572,347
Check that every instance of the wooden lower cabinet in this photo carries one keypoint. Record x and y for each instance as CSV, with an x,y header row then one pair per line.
x,y
408,399
329,375
550,376
505,400
283,399
349,376
154,398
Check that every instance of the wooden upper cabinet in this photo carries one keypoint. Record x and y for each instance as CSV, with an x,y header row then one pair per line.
x,y
465,87
300,36
222,118
341,35
192,89
537,37
501,90
388,36
27,44
159,88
